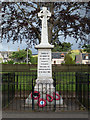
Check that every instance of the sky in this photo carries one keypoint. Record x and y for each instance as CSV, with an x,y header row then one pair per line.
x,y
4,46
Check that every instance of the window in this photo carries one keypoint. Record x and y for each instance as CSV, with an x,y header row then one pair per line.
x,y
62,55
54,62
5,55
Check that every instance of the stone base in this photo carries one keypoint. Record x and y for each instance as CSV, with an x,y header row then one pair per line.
x,y
45,88
44,97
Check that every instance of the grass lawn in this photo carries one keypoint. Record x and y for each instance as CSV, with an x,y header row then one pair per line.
x,y
64,81
23,80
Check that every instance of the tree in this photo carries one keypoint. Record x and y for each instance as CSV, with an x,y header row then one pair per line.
x,y
21,21
1,59
62,47
34,59
20,55
68,59
86,48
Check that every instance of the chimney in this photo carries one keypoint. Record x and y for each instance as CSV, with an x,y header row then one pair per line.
x,y
18,48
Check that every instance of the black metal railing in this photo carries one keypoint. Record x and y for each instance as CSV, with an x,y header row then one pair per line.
x,y
71,88
8,88
82,88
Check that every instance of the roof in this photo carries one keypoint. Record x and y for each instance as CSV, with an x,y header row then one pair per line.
x,y
62,54
5,53
58,55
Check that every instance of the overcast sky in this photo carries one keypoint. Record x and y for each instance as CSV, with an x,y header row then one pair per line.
x,y
13,47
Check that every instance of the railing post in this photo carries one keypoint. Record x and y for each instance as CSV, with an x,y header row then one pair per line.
x,y
55,90
3,91
81,90
32,95
88,93
8,88
14,84
17,82
76,84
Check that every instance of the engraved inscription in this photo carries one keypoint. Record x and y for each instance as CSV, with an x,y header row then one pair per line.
x,y
44,68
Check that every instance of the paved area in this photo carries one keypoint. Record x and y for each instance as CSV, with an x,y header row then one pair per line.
x,y
19,105
17,109
45,114
0,114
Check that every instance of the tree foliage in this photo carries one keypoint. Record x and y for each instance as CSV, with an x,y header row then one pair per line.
x,y
68,59
34,60
62,47
86,48
20,55
10,62
21,22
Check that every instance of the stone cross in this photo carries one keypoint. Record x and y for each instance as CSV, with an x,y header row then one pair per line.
x,y
44,15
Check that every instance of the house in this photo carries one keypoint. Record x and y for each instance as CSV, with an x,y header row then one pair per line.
x,y
86,58
58,57
83,58
4,56
1,58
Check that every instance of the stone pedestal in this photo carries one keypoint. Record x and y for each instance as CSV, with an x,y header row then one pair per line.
x,y
44,79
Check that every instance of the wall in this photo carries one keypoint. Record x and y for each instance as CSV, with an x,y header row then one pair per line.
x,y
85,61
58,61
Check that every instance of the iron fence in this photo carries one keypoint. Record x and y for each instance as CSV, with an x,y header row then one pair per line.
x,y
82,88
71,92
8,88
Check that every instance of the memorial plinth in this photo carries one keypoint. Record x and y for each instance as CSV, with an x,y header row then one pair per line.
x,y
44,82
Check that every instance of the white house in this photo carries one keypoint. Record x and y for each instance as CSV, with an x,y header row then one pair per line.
x,y
1,58
85,58
58,57
4,56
